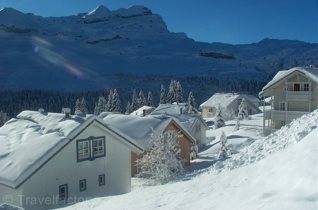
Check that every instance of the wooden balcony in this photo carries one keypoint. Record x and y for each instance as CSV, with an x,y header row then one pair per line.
x,y
298,95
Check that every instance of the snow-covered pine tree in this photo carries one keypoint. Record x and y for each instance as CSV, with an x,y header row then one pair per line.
x,y
237,124
223,153
134,101
142,101
116,103
128,108
161,163
191,104
84,106
172,92
109,104
149,99
243,113
162,95
100,105
219,121
179,92
78,105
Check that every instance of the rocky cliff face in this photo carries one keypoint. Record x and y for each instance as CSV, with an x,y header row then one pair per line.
x,y
83,51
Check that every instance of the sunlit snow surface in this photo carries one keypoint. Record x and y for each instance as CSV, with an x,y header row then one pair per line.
x,y
276,172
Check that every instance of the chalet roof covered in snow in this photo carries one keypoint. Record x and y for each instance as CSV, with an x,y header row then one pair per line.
x,y
142,109
30,139
178,111
220,99
225,99
310,72
140,128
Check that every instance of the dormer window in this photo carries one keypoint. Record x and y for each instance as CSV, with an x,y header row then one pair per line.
x,y
91,148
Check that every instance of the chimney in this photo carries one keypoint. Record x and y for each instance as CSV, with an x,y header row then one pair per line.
x,y
66,112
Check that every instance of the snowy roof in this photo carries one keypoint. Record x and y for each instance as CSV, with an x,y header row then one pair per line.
x,y
140,128
220,99
30,139
225,99
170,109
141,110
178,111
310,72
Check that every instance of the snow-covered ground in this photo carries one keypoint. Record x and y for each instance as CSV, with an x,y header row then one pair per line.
x,y
275,172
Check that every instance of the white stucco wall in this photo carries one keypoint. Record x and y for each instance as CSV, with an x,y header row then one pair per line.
x,y
63,168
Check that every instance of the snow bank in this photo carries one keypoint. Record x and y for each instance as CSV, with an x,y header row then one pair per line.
x,y
284,180
287,135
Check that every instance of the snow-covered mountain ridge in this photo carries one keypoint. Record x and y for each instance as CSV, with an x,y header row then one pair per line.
x,y
84,51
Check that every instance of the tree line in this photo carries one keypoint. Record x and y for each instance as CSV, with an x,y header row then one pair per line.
x,y
131,93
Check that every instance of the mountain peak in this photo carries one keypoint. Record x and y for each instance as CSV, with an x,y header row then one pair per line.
x,y
99,12
10,11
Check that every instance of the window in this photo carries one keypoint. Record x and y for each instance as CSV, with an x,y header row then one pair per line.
x,y
282,123
296,87
306,87
82,185
282,106
63,192
83,150
98,148
91,148
101,180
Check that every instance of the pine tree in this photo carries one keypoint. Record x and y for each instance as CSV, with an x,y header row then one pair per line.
x,y
78,105
223,154
191,104
141,99
161,163
84,106
178,92
243,113
109,104
134,101
163,99
116,103
219,121
128,108
172,92
237,125
175,93
149,99
100,105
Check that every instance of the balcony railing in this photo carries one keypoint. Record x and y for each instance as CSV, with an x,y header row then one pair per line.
x,y
298,95
282,115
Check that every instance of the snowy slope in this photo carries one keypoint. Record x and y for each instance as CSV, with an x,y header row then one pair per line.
x,y
84,51
285,178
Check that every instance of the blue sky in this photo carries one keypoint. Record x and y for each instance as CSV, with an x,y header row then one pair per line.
x,y
230,21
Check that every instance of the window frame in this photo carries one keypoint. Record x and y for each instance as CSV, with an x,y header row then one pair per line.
x,y
65,186
77,150
103,180
91,152
85,185
306,87
98,140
